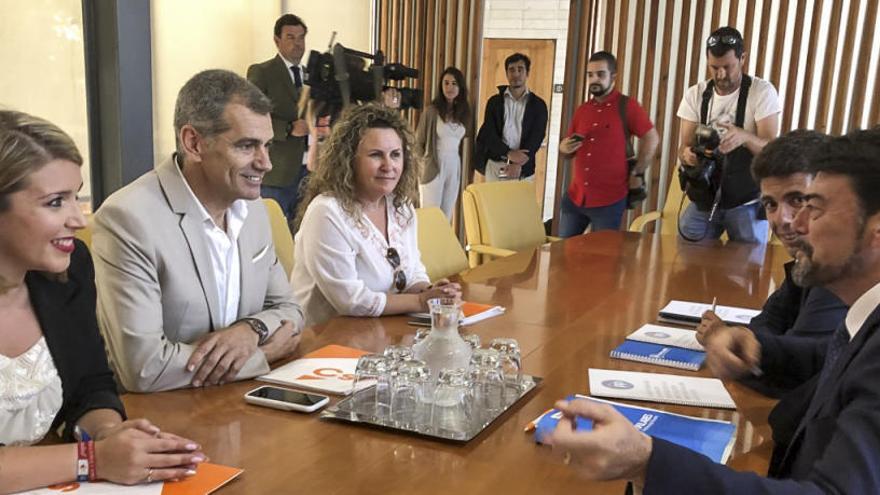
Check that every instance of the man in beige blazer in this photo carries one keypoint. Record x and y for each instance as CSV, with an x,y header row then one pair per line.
x,y
190,291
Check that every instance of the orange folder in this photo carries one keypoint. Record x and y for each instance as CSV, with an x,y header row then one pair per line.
x,y
208,479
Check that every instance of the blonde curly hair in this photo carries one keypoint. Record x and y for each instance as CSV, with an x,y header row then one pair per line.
x,y
334,174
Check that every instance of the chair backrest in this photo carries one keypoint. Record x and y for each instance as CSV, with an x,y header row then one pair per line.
x,y
471,225
85,234
508,214
441,252
281,236
670,212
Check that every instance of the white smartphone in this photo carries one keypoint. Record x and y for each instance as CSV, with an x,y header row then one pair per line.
x,y
285,399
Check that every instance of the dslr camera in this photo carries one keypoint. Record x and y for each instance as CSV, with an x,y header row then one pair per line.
x,y
706,141
701,182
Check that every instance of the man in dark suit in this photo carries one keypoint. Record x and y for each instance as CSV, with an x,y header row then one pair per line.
x,y
513,128
281,78
782,171
832,445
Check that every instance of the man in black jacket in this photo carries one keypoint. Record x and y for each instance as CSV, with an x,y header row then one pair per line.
x,y
513,128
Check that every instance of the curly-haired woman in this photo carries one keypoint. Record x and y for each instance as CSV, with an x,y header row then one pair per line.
x,y
356,247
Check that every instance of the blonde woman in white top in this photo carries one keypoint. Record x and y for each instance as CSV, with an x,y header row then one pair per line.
x,y
356,245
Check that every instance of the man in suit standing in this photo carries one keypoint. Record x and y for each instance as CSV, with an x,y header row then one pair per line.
x,y
832,444
281,78
190,291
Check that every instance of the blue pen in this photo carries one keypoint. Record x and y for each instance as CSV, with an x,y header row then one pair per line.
x,y
81,434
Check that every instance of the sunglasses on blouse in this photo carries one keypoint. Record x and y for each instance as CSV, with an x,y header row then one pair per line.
x,y
399,277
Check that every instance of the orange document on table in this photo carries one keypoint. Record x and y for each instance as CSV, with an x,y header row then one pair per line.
x,y
329,369
208,479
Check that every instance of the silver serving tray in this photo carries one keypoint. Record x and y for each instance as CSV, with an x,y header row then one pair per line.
x,y
342,411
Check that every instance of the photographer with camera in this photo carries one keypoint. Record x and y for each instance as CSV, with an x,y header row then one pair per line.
x,y
724,122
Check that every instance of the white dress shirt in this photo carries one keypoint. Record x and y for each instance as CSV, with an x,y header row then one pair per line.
x,y
223,246
513,118
340,262
861,309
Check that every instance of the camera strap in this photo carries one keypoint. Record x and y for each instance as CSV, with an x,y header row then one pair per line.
x,y
741,102
627,138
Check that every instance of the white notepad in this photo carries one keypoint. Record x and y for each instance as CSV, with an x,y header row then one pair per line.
x,y
657,387
659,334
690,313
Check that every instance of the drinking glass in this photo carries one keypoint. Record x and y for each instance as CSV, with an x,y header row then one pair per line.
x,y
451,408
487,382
398,353
511,366
367,372
408,395
473,340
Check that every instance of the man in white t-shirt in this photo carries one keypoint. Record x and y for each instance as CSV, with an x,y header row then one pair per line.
x,y
744,110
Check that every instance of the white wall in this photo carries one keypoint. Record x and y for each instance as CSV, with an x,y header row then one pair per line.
x,y
43,61
351,19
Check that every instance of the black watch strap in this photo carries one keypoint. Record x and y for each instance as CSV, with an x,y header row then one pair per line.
x,y
258,327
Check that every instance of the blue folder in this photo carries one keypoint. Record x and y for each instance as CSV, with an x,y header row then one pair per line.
x,y
712,438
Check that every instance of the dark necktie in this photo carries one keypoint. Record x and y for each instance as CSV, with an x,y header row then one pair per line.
x,y
836,345
296,76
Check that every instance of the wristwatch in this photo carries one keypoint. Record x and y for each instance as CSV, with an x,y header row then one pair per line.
x,y
258,327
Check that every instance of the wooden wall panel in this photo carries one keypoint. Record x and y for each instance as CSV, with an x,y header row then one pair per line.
x,y
861,81
779,44
811,61
793,78
824,103
848,55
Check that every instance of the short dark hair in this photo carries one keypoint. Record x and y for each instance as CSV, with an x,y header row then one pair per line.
x,y
788,154
608,58
203,99
856,156
289,20
518,57
720,48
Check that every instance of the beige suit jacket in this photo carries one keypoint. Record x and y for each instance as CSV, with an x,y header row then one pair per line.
x,y
156,288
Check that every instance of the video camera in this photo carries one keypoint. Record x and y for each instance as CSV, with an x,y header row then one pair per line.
x,y
340,77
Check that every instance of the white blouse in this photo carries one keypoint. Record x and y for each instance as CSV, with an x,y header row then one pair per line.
x,y
340,262
30,395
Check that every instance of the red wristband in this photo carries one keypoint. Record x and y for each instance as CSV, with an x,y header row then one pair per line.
x,y
86,468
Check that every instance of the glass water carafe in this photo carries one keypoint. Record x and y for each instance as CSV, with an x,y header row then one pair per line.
x,y
443,348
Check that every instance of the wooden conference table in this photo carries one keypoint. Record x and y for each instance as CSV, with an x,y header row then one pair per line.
x,y
568,304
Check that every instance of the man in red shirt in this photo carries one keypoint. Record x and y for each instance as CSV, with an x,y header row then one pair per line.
x,y
601,177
